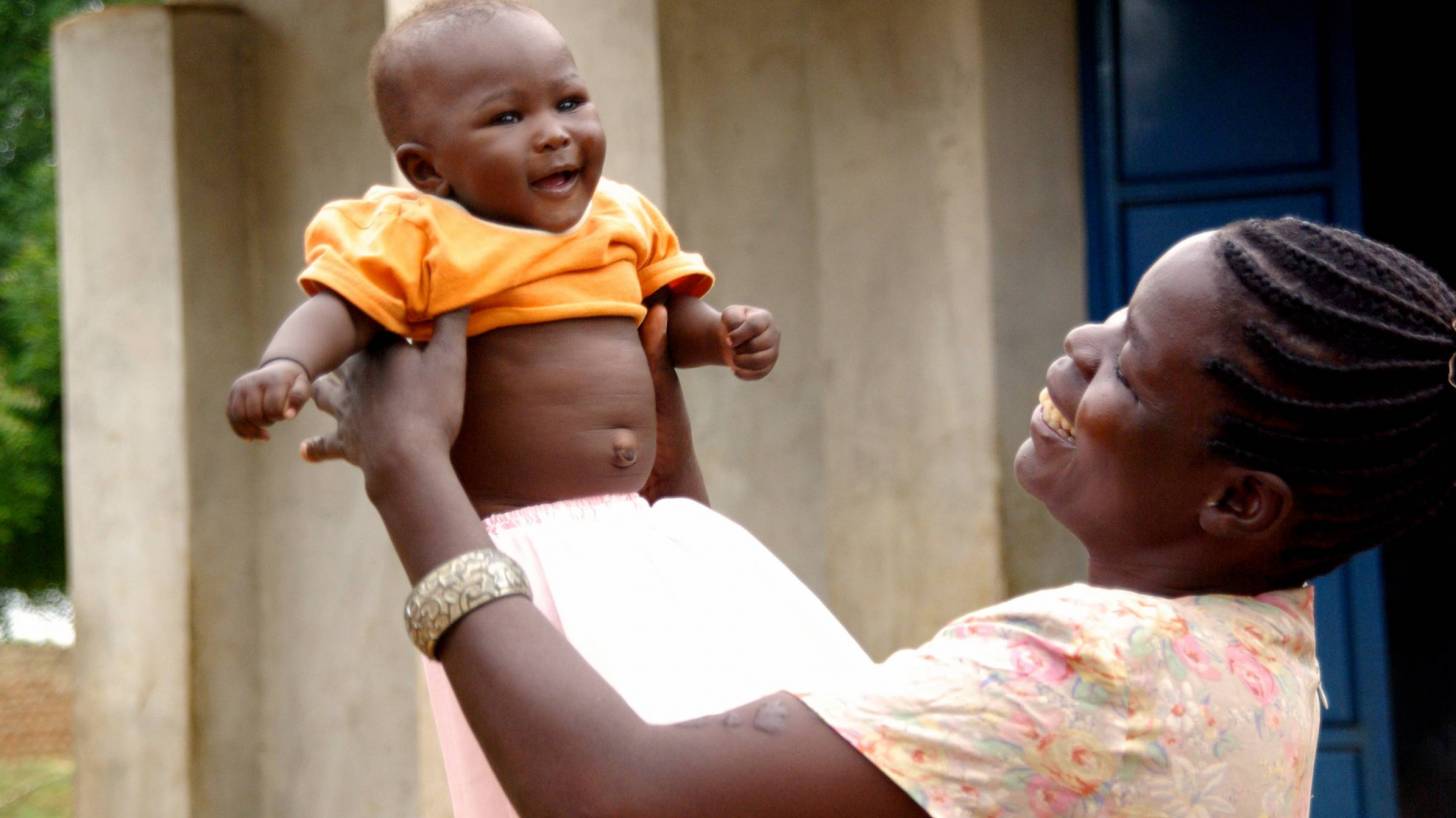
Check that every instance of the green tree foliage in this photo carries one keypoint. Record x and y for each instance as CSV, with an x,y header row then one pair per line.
x,y
32,544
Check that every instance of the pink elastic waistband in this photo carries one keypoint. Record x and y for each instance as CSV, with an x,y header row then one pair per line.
x,y
575,509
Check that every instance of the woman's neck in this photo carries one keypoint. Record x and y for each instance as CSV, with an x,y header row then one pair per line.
x,y
1172,579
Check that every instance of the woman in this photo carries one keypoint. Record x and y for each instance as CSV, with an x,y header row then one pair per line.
x,y
1276,397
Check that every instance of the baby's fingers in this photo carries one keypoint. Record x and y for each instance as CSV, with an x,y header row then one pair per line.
x,y
244,404
744,323
755,365
764,341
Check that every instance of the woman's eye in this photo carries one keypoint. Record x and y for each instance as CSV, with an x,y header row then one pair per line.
x,y
1122,378
506,118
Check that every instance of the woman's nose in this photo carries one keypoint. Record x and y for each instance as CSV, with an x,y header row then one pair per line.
x,y
1083,345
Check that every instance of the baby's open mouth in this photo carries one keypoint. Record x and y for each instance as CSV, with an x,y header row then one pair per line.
x,y
561,180
1054,417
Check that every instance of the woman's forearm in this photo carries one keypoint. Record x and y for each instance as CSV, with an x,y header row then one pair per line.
x,y
550,725
563,742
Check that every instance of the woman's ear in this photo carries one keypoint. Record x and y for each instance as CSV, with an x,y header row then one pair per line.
x,y
1249,504
417,164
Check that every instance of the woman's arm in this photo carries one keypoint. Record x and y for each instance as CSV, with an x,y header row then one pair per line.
x,y
560,739
564,743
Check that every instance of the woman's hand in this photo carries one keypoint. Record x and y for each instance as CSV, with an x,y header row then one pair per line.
x,y
394,402
675,471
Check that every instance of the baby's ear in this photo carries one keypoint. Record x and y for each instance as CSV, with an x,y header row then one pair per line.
x,y
1250,505
417,164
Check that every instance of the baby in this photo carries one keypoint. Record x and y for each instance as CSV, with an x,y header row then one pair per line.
x,y
493,126
491,123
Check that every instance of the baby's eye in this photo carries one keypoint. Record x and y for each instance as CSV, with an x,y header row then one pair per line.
x,y
506,118
570,104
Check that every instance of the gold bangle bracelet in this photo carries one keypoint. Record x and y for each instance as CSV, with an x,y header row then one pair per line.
x,y
456,588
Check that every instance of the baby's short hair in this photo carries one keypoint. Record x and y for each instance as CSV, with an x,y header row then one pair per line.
x,y
388,87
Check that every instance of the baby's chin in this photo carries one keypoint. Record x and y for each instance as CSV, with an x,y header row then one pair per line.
x,y
560,224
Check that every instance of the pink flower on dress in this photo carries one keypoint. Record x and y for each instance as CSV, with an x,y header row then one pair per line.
x,y
1195,658
1024,730
1035,660
1048,798
1076,760
1252,673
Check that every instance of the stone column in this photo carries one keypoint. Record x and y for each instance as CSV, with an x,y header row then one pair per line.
x,y
239,645
162,508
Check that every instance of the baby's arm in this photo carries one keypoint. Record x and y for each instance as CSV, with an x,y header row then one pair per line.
x,y
315,339
743,338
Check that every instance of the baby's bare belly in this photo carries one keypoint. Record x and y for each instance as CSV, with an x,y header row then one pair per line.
x,y
555,411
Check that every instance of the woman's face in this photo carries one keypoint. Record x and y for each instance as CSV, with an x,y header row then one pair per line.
x,y
1133,473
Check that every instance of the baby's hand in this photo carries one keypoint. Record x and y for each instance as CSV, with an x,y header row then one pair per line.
x,y
752,339
274,391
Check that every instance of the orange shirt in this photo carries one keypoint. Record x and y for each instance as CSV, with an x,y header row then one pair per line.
x,y
404,257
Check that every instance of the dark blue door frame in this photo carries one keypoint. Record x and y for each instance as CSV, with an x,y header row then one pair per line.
x,y
1196,113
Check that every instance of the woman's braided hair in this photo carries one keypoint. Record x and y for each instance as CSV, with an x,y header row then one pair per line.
x,y
1349,394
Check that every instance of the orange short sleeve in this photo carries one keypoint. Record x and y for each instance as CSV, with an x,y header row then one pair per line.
x,y
667,265
373,255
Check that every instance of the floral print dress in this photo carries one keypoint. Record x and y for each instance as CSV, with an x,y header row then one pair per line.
x,y
1083,701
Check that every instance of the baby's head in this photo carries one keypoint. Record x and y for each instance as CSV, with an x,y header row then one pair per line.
x,y
1277,397
482,103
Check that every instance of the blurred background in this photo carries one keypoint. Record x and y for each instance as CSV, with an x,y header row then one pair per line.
x,y
926,192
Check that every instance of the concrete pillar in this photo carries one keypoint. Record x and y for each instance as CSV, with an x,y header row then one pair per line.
x,y
239,642
161,506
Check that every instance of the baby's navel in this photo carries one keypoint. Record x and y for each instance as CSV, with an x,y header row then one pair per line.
x,y
624,448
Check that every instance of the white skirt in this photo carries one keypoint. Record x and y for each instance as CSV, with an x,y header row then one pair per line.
x,y
679,608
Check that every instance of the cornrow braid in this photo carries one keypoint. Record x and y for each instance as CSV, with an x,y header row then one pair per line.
x,y
1347,392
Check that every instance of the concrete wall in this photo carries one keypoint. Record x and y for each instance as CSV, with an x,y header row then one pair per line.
x,y
1037,241
900,184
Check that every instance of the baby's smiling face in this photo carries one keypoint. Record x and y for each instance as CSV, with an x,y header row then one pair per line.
x,y
505,123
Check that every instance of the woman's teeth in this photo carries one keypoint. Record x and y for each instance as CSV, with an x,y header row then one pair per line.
x,y
1054,417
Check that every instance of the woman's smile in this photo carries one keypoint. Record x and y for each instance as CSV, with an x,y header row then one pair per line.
x,y
1052,417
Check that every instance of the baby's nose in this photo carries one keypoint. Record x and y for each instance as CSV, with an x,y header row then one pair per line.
x,y
552,139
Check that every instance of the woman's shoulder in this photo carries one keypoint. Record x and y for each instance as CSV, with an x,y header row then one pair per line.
x,y
1075,607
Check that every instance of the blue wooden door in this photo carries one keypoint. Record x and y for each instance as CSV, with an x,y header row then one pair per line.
x,y
1196,113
